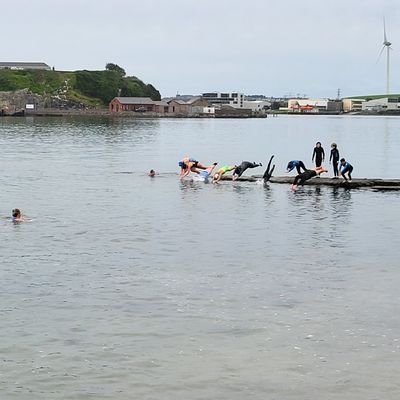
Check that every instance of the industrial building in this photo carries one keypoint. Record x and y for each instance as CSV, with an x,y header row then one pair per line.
x,y
24,66
384,104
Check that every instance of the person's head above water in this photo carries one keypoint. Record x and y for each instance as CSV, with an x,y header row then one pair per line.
x,y
16,213
152,172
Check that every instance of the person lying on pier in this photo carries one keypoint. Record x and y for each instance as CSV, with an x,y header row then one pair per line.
x,y
306,175
238,172
223,170
188,165
345,167
296,164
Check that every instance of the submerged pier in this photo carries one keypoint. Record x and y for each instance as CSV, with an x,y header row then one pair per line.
x,y
368,183
357,183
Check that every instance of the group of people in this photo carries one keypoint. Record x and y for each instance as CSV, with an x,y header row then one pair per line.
x,y
189,164
341,167
319,156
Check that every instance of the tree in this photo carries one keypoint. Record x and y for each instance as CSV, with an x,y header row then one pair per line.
x,y
115,67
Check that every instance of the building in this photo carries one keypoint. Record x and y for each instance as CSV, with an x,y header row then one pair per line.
x,y
384,104
232,99
257,106
195,106
137,104
178,107
227,111
352,105
24,65
314,106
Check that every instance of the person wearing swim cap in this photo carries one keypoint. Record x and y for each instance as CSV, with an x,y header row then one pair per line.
x,y
188,165
296,164
222,171
238,172
305,176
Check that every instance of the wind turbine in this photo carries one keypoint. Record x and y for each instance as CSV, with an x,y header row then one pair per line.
x,y
386,44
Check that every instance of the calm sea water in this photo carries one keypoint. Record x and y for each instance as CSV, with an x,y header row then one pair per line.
x,y
127,287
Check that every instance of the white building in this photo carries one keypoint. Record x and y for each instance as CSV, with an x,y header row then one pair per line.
x,y
352,105
24,65
233,99
382,104
257,106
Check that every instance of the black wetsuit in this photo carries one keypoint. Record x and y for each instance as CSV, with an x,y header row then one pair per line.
x,y
305,176
319,155
243,166
335,160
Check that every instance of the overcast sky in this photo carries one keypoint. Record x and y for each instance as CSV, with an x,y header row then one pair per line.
x,y
266,47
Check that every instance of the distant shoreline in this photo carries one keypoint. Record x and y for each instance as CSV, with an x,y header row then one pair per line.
x,y
144,115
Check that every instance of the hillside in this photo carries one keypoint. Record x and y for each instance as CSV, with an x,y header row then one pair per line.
x,y
86,88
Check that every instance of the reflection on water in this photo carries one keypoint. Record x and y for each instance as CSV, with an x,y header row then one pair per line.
x,y
125,286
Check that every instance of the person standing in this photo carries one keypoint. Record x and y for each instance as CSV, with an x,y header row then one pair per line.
x,y
319,154
334,158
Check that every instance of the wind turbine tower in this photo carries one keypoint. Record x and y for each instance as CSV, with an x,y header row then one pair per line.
x,y
386,44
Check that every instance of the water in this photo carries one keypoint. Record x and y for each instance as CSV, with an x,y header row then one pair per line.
x,y
123,286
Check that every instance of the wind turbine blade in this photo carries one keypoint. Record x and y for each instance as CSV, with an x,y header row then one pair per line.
x,y
380,54
384,31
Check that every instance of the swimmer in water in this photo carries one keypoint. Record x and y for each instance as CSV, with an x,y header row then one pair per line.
x,y
16,215
305,176
238,172
223,170
152,173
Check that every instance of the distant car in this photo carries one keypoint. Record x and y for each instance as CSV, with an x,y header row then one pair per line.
x,y
140,109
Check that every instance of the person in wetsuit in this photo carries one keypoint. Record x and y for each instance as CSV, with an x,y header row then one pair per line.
x,y
334,157
319,154
296,164
345,167
306,175
237,173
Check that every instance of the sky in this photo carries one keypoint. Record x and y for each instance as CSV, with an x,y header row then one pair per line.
x,y
274,48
